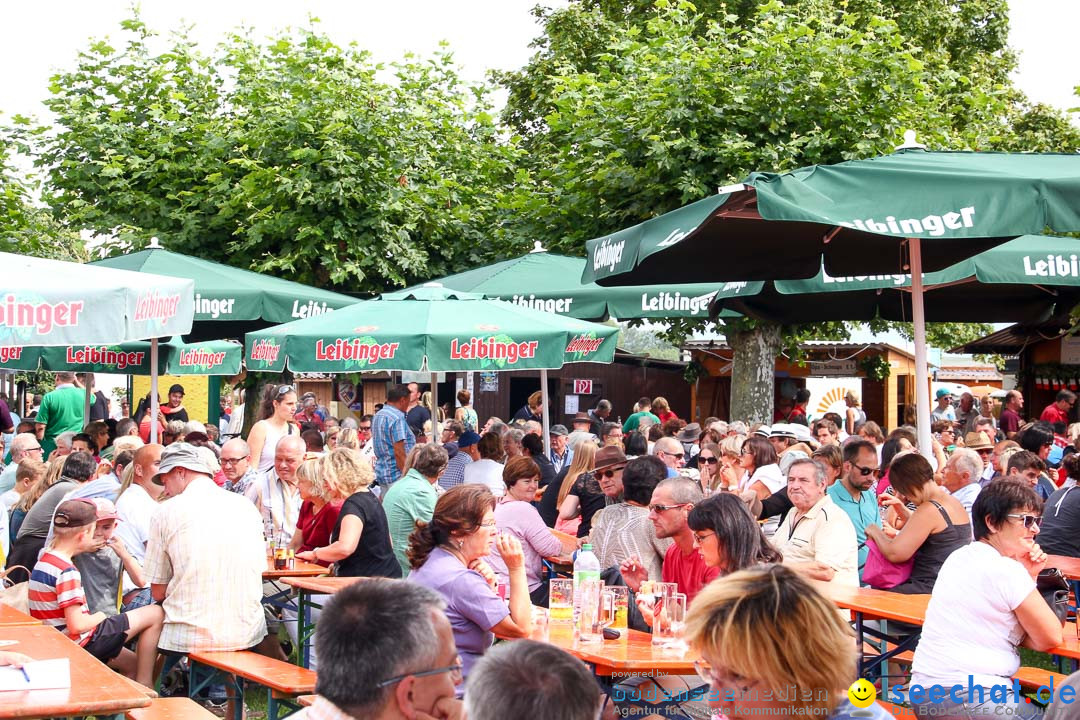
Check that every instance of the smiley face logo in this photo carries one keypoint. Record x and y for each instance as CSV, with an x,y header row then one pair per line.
x,y
862,693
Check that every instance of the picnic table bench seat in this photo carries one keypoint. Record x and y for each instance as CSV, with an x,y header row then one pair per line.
x,y
171,708
283,680
1031,678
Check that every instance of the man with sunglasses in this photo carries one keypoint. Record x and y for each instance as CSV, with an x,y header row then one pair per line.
x,y
853,492
671,453
406,665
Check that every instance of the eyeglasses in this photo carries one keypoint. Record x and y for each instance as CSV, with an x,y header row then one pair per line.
x,y
985,451
232,461
710,460
864,471
661,508
489,525
701,537
454,670
285,390
364,428
32,449
606,473
665,452
1027,520
747,452
708,674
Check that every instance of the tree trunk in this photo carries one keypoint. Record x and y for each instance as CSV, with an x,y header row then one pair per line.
x,y
753,372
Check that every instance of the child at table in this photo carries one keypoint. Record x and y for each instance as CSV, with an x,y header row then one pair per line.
x,y
56,598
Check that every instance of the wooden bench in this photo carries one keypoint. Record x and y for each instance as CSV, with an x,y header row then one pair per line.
x,y
171,708
283,681
306,700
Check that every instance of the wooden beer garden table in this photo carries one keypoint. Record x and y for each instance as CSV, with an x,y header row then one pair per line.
x,y
280,597
307,587
10,617
95,689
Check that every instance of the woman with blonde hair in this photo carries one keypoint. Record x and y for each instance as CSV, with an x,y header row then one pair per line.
x,y
662,410
555,493
319,508
348,439
360,541
771,644
853,415
731,472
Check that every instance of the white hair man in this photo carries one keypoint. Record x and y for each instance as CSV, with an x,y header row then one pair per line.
x,y
276,493
962,473
25,445
817,537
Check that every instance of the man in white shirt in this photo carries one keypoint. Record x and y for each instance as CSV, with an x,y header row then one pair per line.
x,y
962,473
817,537
135,507
276,493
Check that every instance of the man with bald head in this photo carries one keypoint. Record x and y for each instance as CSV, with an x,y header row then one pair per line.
x,y
275,492
25,445
236,466
671,453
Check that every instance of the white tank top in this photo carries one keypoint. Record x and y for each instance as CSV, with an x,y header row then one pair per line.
x,y
266,457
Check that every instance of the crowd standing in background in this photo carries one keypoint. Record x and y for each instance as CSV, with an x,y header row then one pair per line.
x,y
125,537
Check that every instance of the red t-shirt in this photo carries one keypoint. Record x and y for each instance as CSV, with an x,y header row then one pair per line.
x,y
688,570
316,527
1052,414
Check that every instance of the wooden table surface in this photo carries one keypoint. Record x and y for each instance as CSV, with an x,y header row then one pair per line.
x,y
321,585
631,654
9,616
95,689
1069,566
299,569
878,604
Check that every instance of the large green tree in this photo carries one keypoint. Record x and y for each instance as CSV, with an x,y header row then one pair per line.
x,y
638,113
289,155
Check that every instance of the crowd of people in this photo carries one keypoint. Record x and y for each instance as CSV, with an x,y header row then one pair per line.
x,y
127,540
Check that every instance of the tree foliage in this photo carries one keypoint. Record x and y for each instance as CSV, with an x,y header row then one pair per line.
x,y
289,155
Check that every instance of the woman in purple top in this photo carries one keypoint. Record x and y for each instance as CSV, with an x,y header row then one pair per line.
x,y
447,555
515,514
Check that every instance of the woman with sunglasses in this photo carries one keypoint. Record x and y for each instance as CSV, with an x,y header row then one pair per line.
x,y
708,465
447,555
985,605
275,422
938,527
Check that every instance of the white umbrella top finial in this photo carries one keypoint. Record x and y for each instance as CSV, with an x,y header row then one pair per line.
x,y
155,244
538,247
432,284
910,142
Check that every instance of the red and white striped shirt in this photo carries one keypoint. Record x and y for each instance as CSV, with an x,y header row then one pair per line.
x,y
54,585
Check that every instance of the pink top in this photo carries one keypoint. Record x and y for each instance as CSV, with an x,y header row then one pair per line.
x,y
523,521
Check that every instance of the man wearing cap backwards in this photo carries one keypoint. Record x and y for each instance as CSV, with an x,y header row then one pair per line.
x,y
561,453
944,409
173,408
204,559
467,453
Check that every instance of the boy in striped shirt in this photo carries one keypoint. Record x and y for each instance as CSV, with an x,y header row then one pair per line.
x,y
56,598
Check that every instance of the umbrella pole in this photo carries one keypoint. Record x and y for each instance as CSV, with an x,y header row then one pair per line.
x,y
546,412
153,409
86,403
435,434
918,316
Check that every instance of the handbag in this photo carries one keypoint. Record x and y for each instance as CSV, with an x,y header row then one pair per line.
x,y
14,595
882,573
1054,588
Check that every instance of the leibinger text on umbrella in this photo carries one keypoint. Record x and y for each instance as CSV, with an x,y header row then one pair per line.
x,y
104,356
151,306
491,349
584,344
1052,266
309,309
214,307
41,316
355,349
608,255
265,350
934,225
7,354
556,305
676,301
197,357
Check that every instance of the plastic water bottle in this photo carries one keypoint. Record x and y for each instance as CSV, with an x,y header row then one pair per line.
x,y
586,567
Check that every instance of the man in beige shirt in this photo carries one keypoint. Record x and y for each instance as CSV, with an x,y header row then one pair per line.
x,y
204,559
817,537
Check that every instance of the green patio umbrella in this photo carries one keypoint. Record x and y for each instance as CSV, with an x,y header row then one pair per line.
x,y
433,329
51,302
545,281
213,357
230,301
902,213
1023,280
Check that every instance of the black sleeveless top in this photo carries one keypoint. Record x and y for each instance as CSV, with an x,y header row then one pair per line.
x,y
931,555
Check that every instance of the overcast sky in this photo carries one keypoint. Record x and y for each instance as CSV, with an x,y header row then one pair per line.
x,y
40,37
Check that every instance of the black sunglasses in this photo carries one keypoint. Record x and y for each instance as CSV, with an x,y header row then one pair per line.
x,y
285,390
864,471
710,460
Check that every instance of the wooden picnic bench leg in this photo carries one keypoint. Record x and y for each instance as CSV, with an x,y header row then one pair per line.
x,y
202,677
304,629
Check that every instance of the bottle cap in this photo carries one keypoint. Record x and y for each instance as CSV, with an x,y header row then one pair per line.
x,y
587,546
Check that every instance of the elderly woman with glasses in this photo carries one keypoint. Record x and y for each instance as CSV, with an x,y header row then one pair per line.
x,y
939,525
772,645
984,606
448,555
